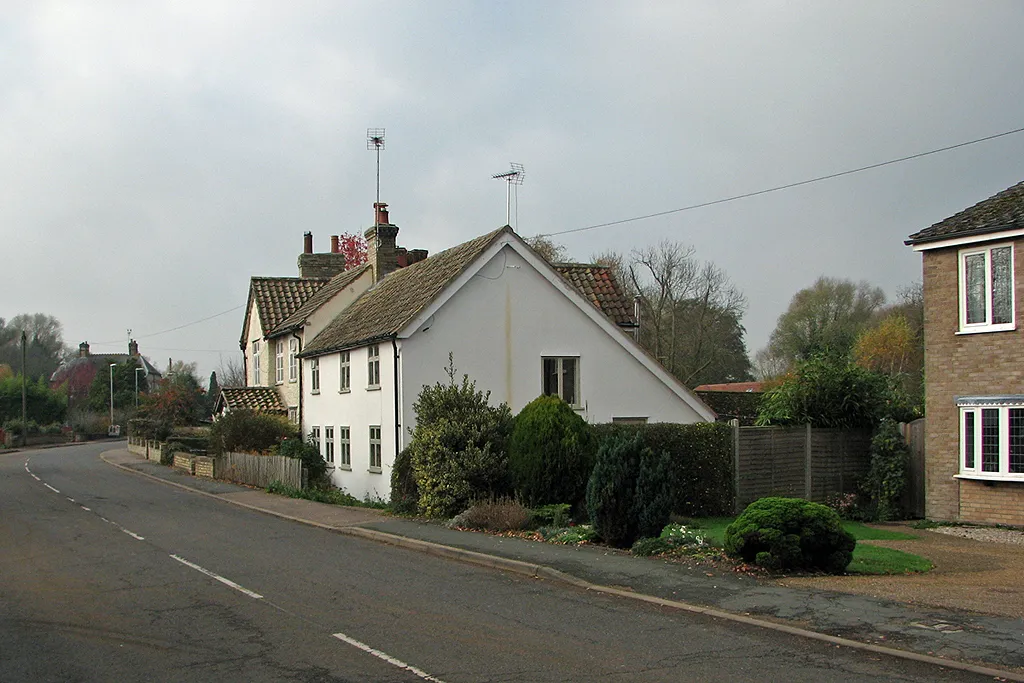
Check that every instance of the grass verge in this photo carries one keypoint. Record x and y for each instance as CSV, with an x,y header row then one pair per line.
x,y
329,496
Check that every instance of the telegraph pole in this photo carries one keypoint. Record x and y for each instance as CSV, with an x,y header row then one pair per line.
x,y
24,394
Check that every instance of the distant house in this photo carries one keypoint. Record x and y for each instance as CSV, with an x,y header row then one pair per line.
x,y
77,374
515,324
974,378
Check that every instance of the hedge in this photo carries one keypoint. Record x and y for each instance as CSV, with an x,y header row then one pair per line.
x,y
701,465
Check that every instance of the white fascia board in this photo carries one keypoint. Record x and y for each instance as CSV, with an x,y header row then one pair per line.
x,y
545,270
969,239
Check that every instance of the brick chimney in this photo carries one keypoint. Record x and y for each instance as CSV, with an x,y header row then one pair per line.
x,y
307,243
335,248
83,349
133,348
381,247
320,265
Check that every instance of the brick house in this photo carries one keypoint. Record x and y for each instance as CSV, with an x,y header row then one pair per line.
x,y
974,377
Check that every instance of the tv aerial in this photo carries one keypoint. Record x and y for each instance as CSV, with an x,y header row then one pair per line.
x,y
513,178
375,141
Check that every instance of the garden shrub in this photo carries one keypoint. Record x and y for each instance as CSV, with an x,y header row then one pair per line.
x,y
887,474
246,431
611,489
551,452
405,495
672,538
554,514
652,502
308,452
458,448
700,463
146,428
502,514
168,451
16,426
790,533
573,535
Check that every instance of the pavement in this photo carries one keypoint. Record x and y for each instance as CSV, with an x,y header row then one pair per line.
x,y
982,643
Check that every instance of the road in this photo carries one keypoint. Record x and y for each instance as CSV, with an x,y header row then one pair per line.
x,y
108,576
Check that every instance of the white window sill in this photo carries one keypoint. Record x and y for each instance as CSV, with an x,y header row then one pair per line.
x,y
990,476
315,392
981,329
292,381
277,384
374,470
373,387
347,468
344,391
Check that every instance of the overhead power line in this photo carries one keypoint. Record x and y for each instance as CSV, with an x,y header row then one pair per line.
x,y
786,186
175,329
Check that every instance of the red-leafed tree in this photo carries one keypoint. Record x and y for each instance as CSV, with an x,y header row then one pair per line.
x,y
353,246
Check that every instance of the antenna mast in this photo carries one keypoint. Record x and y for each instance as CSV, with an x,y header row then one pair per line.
x,y
514,178
375,141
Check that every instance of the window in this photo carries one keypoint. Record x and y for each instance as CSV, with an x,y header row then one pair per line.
x,y
255,363
279,361
345,372
986,289
344,448
375,449
373,367
293,414
629,420
314,372
329,445
992,438
293,362
314,434
561,378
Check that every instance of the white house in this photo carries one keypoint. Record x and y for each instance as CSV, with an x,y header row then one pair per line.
x,y
515,324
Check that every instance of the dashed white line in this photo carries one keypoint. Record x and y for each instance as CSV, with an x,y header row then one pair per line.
x,y
226,582
71,499
51,488
35,477
387,658
86,509
132,534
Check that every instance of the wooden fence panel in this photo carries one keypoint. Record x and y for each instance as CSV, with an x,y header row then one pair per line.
x,y
839,459
913,496
770,463
259,470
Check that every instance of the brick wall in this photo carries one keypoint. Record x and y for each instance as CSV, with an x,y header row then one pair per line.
x,y
992,502
184,461
204,466
963,365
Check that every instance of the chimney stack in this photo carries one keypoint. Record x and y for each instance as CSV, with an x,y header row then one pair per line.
x,y
320,265
335,247
381,247
83,349
133,348
307,243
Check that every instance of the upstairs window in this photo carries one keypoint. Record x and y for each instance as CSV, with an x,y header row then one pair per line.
x,y
992,438
345,372
293,362
373,367
279,361
255,364
314,375
560,377
986,289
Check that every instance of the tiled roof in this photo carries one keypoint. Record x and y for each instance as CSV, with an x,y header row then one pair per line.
x,y
276,298
733,387
1001,211
259,399
599,286
322,296
393,302
100,361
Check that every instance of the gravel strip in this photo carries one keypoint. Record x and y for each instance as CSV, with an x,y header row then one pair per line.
x,y
979,533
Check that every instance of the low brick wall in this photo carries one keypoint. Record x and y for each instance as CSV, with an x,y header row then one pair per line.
x,y
204,466
153,450
184,461
997,502
137,446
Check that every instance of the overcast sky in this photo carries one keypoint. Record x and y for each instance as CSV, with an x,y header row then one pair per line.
x,y
158,154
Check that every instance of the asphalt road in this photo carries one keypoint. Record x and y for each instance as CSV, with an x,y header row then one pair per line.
x,y
107,576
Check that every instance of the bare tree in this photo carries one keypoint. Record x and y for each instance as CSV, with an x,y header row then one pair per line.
x,y
551,251
231,372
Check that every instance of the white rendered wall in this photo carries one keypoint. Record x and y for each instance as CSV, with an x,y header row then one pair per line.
x,y
358,409
266,358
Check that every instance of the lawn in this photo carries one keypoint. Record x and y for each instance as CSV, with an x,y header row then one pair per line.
x,y
867,559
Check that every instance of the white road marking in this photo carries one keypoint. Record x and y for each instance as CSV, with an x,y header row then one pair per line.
x,y
35,477
226,582
387,658
71,499
86,509
132,534
51,488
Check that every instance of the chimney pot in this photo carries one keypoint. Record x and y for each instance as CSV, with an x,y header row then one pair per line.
x,y
133,348
335,248
380,213
83,349
307,243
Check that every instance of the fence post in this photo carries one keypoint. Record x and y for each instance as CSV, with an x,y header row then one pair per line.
x,y
807,464
735,424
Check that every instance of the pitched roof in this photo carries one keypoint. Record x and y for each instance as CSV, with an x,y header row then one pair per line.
x,y
392,303
276,298
1001,211
322,296
259,399
599,286
98,360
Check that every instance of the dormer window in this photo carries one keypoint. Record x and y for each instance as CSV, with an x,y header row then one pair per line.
x,y
986,289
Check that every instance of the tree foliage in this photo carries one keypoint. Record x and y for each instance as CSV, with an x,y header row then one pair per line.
x,y
246,431
44,349
551,251
353,246
124,386
43,405
887,475
178,399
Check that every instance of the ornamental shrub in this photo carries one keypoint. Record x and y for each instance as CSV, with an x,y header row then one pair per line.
x,y
405,495
652,503
611,489
790,533
309,453
887,474
551,453
247,431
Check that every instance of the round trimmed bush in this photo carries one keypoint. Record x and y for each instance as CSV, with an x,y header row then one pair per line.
x,y
790,533
551,453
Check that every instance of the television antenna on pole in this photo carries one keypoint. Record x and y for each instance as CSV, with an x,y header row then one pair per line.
x,y
514,178
375,141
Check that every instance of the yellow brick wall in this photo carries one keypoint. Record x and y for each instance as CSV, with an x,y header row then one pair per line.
x,y
992,502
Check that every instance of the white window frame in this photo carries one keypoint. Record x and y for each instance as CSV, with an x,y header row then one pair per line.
x,y
344,372
973,446
293,361
329,445
256,363
293,414
987,325
344,448
314,433
314,375
577,401
279,361
376,453
373,367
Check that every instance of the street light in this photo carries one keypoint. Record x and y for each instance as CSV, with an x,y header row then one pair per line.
x,y
137,371
112,395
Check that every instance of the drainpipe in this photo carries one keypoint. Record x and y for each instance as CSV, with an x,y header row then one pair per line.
x,y
398,426
299,370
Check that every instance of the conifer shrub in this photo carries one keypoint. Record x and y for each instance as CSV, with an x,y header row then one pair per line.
x,y
551,453
405,495
790,533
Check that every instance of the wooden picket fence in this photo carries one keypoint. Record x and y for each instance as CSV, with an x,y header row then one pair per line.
x,y
259,470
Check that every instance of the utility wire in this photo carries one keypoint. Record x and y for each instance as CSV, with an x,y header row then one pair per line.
x,y
786,186
179,327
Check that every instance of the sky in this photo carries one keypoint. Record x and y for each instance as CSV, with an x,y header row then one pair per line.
x,y
158,154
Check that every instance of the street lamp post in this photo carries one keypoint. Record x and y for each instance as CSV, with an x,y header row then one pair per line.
x,y
137,371
112,394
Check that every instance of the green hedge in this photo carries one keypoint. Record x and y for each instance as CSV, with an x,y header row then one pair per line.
x,y
701,465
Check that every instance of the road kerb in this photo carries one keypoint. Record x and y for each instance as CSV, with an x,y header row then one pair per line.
x,y
540,571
